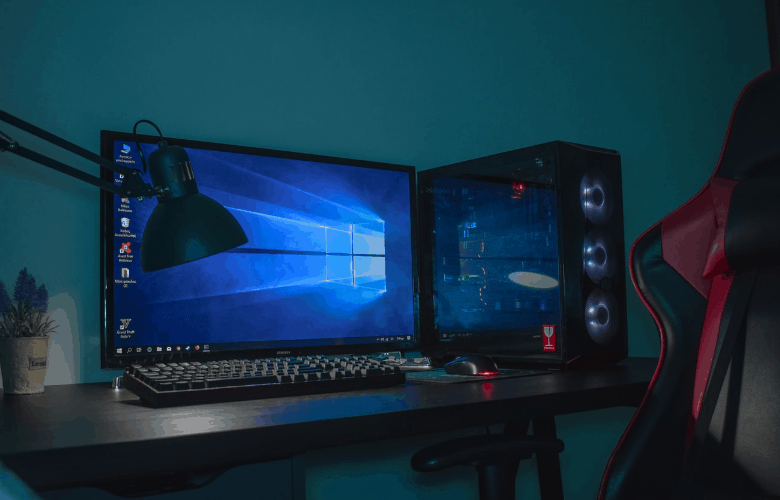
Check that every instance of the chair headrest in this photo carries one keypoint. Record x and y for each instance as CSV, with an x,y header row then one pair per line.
x,y
752,237
752,142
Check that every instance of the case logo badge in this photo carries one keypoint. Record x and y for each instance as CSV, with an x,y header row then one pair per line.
x,y
549,338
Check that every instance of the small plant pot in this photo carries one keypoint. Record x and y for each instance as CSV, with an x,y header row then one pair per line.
x,y
23,362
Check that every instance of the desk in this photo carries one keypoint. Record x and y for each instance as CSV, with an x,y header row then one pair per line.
x,y
85,434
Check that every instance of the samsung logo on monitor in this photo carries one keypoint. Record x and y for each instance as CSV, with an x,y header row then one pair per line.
x,y
279,353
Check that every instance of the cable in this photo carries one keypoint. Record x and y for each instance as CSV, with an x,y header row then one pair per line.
x,y
138,145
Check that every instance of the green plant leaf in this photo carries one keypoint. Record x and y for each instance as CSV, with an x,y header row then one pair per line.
x,y
25,321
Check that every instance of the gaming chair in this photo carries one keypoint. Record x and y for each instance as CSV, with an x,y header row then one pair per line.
x,y
709,273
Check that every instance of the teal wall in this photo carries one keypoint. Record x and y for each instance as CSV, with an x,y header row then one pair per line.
x,y
416,82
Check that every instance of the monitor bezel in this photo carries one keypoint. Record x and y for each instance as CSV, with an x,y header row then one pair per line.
x,y
111,360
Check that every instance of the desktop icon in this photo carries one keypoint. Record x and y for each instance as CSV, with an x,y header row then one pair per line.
x,y
148,349
206,347
121,176
125,247
159,349
129,350
125,324
167,348
125,222
125,200
187,348
125,149
197,348
119,351
137,349
125,272
178,348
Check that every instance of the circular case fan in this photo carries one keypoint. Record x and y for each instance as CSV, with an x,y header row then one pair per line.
x,y
598,255
596,198
601,317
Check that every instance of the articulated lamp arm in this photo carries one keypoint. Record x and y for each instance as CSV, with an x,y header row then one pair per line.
x,y
185,226
132,186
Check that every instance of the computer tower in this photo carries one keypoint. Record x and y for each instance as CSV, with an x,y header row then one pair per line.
x,y
522,257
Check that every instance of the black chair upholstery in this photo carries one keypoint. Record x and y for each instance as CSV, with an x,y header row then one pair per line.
x,y
683,268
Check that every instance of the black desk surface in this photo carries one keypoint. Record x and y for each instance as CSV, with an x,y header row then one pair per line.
x,y
72,435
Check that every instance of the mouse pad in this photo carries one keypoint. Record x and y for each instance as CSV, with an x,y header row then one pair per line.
x,y
437,375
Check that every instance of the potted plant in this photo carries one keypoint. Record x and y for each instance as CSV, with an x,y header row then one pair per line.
x,y
24,336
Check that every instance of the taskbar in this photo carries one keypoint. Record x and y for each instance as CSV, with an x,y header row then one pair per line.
x,y
155,350
167,349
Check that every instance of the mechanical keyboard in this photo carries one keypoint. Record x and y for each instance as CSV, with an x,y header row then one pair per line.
x,y
187,383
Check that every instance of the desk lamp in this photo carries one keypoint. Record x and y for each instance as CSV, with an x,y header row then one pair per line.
x,y
185,226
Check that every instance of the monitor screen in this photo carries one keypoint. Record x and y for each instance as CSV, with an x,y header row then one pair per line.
x,y
329,267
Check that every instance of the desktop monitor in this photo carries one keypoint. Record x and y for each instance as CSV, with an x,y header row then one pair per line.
x,y
330,266
522,257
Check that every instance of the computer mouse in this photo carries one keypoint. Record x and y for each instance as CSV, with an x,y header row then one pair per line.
x,y
472,364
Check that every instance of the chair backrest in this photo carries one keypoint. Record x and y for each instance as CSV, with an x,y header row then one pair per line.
x,y
682,268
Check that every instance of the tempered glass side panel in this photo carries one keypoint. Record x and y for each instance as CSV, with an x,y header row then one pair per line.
x,y
494,267
496,256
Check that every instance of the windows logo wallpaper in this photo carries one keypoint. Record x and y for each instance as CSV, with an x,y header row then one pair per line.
x,y
329,257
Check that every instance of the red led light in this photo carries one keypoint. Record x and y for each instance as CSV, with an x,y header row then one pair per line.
x,y
487,390
485,374
517,190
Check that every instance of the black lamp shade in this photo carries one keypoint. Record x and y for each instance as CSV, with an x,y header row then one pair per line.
x,y
185,225
188,228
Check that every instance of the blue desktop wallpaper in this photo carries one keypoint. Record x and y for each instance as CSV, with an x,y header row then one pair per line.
x,y
329,258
